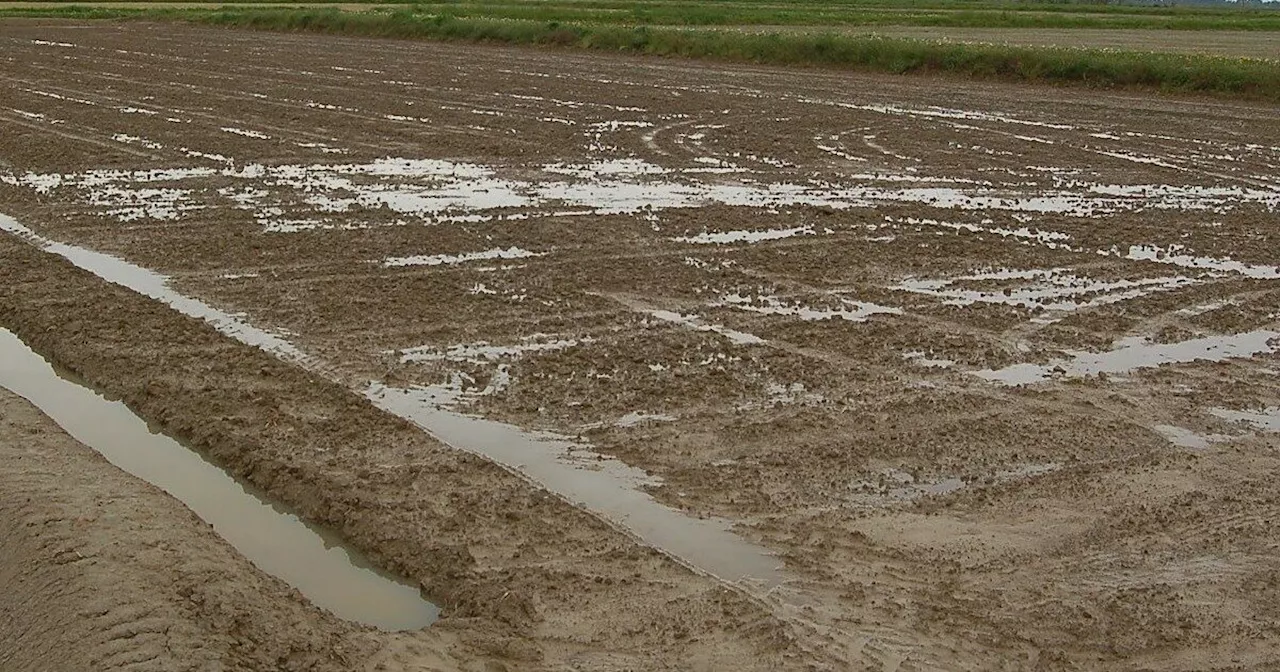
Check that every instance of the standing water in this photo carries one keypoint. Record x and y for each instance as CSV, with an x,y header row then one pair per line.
x,y
311,559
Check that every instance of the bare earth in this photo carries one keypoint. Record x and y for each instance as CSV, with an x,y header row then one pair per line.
x,y
104,572
789,296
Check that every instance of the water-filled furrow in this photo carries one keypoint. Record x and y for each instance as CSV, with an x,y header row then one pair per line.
x,y
311,559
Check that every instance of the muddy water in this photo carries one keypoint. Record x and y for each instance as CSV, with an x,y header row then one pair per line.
x,y
1132,354
606,486
310,559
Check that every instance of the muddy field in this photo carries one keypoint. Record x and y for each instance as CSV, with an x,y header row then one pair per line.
x,y
642,364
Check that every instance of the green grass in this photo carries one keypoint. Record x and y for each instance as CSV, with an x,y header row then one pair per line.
x,y
840,14
1240,78
1057,6
1166,72
934,13
79,12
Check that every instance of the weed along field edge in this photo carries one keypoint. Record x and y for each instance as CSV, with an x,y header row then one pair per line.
x,y
1225,52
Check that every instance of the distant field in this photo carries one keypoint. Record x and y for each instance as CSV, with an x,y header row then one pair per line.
x,y
1229,51
46,8
1228,43
826,14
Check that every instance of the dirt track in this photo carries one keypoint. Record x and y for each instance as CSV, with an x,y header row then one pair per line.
x,y
772,290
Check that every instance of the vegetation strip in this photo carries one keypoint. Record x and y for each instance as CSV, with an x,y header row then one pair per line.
x,y
1176,73
828,13
836,14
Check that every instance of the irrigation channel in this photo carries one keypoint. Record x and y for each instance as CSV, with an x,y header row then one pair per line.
x,y
312,559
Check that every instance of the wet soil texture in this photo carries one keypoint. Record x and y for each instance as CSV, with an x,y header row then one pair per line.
x,y
990,371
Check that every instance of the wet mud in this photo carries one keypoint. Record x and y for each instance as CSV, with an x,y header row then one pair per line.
x,y
315,561
818,370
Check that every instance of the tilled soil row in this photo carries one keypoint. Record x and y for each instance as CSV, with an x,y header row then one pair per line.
x,y
104,572
774,291
523,576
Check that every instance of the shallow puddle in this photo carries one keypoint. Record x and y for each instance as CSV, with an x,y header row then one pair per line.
x,y
1131,354
851,311
302,197
1267,420
1185,438
311,559
1054,292
601,484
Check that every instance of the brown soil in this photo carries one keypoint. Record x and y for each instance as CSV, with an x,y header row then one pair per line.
x,y
515,569
104,572
929,519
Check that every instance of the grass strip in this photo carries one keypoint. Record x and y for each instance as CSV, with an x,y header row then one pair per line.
x,y
691,14
929,13
1098,68
1054,6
